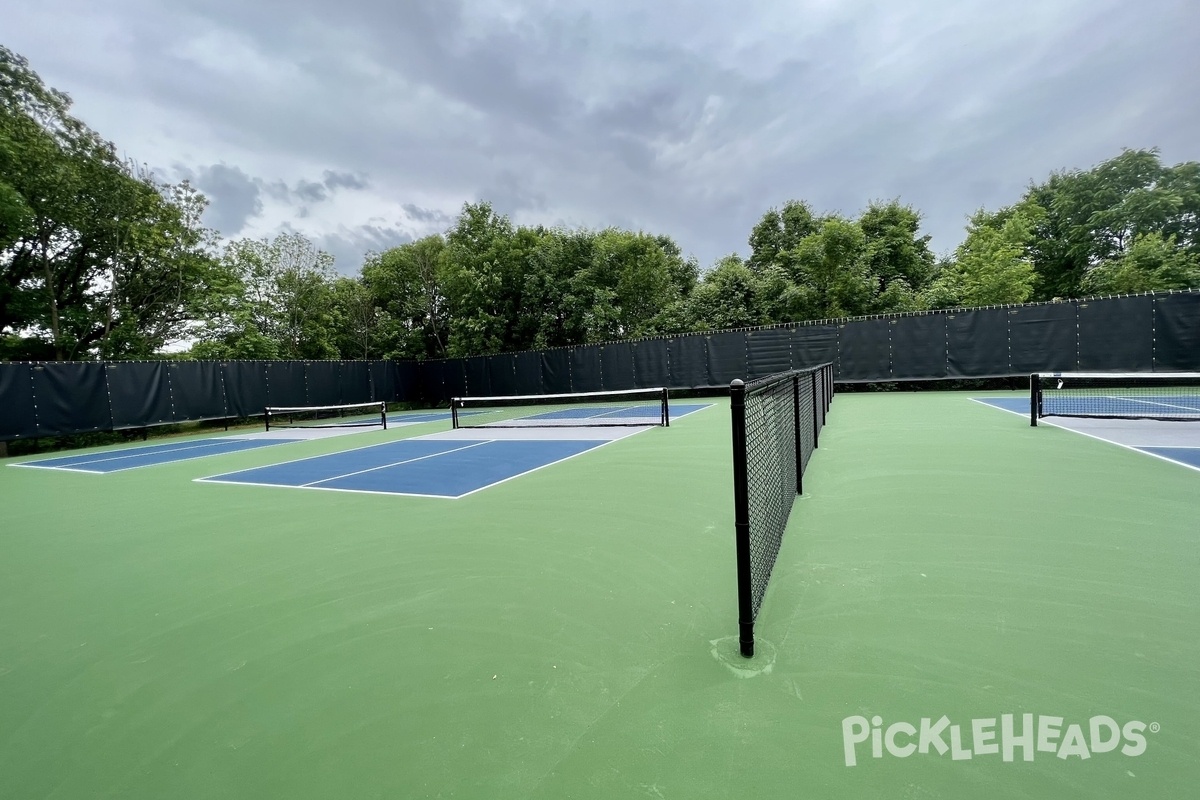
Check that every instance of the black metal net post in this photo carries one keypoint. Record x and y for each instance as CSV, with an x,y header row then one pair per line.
x,y
769,447
741,519
1035,398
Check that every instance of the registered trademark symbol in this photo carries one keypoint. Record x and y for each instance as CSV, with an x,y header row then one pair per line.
x,y
1155,727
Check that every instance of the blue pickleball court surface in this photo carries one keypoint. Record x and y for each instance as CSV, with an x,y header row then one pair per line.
x,y
437,467
117,460
451,464
150,455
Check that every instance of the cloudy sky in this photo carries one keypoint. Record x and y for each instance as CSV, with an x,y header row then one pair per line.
x,y
366,123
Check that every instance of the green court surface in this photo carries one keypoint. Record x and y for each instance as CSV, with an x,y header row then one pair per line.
x,y
571,633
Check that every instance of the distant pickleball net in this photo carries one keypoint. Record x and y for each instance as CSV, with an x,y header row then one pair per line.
x,y
1115,395
352,415
627,408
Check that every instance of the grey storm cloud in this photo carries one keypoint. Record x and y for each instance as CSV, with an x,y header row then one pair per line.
x,y
310,192
349,246
233,196
683,118
344,180
427,216
307,192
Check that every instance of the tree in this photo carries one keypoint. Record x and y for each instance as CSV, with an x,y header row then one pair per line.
x,y
728,297
779,232
1151,263
830,271
477,255
1095,216
630,279
991,267
96,258
280,304
405,285
897,256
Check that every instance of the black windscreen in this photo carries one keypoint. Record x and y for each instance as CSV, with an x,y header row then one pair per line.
x,y
139,392
16,398
726,357
71,398
919,346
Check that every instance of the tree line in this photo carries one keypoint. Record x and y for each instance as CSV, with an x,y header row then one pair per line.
x,y
100,259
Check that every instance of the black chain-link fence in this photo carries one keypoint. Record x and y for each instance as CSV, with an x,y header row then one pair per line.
x,y
776,423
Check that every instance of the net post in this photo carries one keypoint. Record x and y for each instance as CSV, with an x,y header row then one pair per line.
x,y
383,415
741,519
454,413
1035,398
267,417
666,411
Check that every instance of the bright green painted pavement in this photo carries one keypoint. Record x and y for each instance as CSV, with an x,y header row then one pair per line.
x,y
551,637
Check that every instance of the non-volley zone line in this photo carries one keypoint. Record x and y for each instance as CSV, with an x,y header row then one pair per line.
x,y
452,464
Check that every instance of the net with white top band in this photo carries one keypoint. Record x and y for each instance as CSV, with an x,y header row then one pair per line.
x,y
631,407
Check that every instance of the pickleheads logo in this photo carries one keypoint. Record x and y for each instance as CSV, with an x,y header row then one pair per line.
x,y
1006,736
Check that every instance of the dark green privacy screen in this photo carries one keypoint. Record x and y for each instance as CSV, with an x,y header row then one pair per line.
x,y
1144,333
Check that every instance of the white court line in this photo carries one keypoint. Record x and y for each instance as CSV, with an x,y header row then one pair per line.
x,y
1134,448
144,452
403,494
535,469
1157,403
393,464
35,465
202,453
309,458
325,489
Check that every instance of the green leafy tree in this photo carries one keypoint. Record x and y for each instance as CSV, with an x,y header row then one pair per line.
x,y
627,283
897,255
281,303
830,271
96,258
992,266
729,296
555,305
477,265
405,284
1095,216
1152,263
780,232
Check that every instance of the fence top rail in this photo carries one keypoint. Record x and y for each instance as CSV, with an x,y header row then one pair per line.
x,y
761,384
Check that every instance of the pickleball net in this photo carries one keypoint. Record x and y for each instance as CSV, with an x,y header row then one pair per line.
x,y
777,421
630,407
1173,396
350,415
